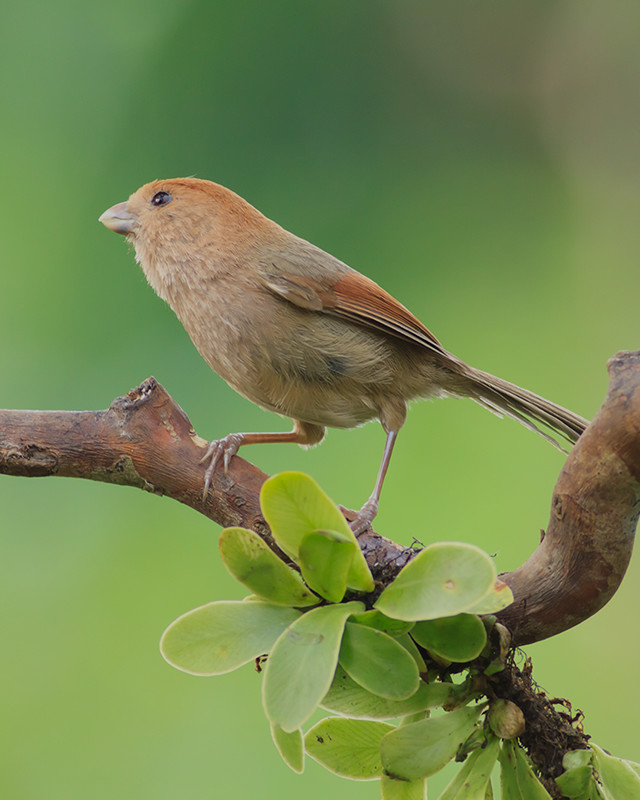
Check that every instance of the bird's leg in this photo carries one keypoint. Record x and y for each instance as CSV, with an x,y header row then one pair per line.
x,y
304,433
368,512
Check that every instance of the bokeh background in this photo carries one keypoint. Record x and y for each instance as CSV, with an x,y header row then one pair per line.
x,y
479,160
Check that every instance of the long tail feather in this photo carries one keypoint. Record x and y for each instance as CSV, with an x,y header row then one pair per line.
x,y
531,410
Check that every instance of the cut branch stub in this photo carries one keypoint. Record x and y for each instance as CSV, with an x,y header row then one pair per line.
x,y
143,439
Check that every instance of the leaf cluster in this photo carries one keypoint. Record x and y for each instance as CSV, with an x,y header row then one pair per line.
x,y
375,664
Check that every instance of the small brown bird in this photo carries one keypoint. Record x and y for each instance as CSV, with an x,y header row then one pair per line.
x,y
295,330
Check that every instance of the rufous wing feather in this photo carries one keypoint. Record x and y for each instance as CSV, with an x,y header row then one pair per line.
x,y
358,299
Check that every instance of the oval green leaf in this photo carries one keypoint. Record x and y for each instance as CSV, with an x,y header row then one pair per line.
x,y
222,636
348,698
410,646
498,597
460,638
252,562
325,559
444,579
396,789
577,783
290,746
378,663
348,747
294,505
302,664
473,778
578,758
411,718
376,619
423,748
517,779
618,776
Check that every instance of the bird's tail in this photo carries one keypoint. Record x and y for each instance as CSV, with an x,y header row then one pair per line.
x,y
531,410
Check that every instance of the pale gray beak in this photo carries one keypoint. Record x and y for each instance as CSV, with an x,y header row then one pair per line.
x,y
118,219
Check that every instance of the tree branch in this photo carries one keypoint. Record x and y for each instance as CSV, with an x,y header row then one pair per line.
x,y
584,554
144,439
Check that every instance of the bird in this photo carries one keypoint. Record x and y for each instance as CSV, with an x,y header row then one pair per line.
x,y
297,331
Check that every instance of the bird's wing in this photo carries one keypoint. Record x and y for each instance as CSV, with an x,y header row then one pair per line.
x,y
356,298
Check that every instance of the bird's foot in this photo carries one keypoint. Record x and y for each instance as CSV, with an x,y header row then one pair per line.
x,y
365,516
224,449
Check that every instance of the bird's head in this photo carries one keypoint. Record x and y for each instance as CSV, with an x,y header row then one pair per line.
x,y
187,225
182,208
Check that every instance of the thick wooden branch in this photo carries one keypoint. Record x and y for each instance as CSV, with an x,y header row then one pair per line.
x,y
145,440
584,554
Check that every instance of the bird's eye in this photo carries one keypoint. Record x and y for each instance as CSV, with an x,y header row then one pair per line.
x,y
161,199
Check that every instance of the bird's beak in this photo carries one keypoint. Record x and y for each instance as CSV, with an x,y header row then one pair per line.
x,y
118,219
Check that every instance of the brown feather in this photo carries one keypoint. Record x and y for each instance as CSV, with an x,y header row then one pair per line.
x,y
360,299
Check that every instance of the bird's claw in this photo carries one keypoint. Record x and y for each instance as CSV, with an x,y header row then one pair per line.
x,y
364,517
224,449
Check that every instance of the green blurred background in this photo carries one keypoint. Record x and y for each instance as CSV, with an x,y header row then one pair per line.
x,y
478,160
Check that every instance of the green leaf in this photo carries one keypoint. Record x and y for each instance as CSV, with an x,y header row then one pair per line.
x,y
444,579
290,747
378,663
517,779
411,718
325,559
576,783
578,758
410,646
498,597
474,777
294,505
349,698
376,619
509,771
254,564
302,664
618,777
423,748
222,636
398,789
460,638
348,747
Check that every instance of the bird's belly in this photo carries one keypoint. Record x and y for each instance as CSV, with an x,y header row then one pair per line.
x,y
295,384
331,404
319,370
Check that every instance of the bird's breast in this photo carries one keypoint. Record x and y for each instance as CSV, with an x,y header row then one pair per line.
x,y
301,364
